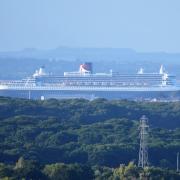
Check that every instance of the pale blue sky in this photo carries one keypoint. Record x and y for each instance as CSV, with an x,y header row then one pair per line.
x,y
144,25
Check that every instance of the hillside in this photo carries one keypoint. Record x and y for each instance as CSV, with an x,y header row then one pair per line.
x,y
20,64
98,132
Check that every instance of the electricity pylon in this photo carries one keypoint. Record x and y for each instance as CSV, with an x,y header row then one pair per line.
x,y
143,149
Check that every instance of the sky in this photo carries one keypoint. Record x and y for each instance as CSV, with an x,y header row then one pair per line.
x,y
143,25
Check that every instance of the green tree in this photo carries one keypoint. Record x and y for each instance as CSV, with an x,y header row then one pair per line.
x,y
130,171
5,171
60,171
26,169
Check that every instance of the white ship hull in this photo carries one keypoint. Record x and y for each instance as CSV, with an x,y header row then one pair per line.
x,y
132,93
90,88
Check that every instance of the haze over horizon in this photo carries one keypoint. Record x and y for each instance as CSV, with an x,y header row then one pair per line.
x,y
145,26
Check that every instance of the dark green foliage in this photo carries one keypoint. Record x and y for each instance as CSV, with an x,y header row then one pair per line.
x,y
5,170
98,132
60,171
29,170
131,171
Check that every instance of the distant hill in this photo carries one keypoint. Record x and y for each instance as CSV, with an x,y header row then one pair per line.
x,y
18,64
70,54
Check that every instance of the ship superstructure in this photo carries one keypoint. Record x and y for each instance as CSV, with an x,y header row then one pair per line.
x,y
86,84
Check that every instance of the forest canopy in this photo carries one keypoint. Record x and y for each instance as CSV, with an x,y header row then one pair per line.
x,y
94,133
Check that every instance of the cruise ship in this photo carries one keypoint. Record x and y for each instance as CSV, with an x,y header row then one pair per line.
x,y
84,83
